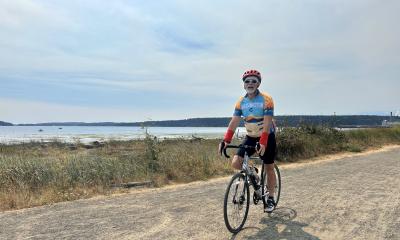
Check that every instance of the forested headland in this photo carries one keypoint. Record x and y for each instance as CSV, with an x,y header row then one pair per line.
x,y
283,120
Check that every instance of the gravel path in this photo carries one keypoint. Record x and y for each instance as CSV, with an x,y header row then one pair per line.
x,y
353,197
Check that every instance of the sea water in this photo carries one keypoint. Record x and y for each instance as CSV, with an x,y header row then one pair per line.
x,y
85,134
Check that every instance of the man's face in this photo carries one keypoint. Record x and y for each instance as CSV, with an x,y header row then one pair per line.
x,y
251,84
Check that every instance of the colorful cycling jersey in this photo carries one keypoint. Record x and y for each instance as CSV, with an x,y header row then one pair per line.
x,y
253,111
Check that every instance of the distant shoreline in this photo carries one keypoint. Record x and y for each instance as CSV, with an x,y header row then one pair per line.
x,y
343,121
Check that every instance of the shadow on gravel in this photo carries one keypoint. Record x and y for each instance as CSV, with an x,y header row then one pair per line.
x,y
278,225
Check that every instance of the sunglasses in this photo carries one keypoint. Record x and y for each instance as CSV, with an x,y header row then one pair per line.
x,y
250,81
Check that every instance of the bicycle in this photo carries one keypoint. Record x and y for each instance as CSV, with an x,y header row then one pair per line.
x,y
237,195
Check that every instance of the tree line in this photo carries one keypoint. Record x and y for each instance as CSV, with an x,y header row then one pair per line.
x,y
284,121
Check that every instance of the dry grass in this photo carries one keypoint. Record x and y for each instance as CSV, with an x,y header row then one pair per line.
x,y
43,173
35,173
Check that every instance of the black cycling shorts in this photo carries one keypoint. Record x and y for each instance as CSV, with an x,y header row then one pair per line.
x,y
270,152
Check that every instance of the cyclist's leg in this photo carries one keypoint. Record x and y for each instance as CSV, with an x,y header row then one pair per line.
x,y
268,159
271,179
237,162
238,158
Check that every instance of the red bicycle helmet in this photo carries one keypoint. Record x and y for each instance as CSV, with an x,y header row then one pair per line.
x,y
252,73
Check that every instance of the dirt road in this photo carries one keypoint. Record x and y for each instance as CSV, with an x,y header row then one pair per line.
x,y
353,197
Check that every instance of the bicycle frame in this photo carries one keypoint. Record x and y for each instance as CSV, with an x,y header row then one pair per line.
x,y
246,171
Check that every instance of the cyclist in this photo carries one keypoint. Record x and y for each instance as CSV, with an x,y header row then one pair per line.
x,y
257,109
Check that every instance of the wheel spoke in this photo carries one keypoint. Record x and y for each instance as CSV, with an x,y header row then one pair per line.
x,y
236,204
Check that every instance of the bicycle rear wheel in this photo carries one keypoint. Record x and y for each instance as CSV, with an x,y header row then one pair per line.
x,y
277,188
236,203
277,185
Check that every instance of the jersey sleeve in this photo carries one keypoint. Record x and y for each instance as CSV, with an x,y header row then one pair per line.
x,y
238,110
268,105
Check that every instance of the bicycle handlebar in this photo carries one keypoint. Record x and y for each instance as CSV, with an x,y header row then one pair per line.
x,y
246,147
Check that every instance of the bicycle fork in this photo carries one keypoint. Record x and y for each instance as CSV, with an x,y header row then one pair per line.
x,y
241,196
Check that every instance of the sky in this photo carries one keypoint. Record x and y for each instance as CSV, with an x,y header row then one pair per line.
x,y
128,61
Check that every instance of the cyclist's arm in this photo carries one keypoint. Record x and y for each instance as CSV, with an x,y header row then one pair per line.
x,y
267,124
234,123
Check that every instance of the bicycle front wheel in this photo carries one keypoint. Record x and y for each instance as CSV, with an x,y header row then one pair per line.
x,y
236,203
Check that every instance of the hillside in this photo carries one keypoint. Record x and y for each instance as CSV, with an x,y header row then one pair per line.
x,y
5,124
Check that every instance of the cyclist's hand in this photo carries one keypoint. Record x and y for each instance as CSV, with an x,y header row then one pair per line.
x,y
261,149
221,147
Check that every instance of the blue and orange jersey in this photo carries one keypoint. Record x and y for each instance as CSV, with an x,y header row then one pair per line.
x,y
253,112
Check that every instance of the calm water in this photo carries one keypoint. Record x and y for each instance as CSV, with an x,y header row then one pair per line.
x,y
17,134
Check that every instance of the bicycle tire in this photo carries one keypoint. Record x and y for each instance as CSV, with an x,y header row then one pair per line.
x,y
237,179
278,184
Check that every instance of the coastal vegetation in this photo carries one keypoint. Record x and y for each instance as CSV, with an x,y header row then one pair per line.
x,y
38,173
283,120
